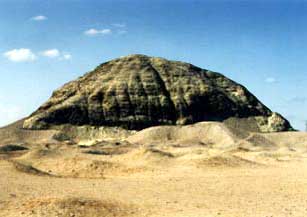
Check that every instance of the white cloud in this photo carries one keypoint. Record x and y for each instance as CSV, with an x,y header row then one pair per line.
x,y
270,80
119,25
26,55
39,18
93,32
56,53
52,53
67,56
20,55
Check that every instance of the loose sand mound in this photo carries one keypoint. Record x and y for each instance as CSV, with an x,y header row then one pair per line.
x,y
296,140
211,134
215,135
78,167
24,168
225,161
15,134
71,163
260,141
72,207
206,144
152,153
107,148
39,153
149,158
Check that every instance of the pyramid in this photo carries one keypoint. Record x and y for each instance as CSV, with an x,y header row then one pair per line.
x,y
138,91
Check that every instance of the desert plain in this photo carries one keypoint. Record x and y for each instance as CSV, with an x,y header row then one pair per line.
x,y
206,169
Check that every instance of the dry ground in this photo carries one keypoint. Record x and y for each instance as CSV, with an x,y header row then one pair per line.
x,y
172,175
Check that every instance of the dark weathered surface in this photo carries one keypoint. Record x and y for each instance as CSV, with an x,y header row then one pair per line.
x,y
138,91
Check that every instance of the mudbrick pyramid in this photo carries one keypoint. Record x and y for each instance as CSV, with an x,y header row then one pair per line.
x,y
139,91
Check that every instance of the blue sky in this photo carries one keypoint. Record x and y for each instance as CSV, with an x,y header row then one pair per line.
x,y
258,43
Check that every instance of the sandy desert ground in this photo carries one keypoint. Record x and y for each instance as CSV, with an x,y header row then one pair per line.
x,y
203,170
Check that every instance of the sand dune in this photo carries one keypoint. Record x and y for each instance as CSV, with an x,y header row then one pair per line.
x,y
211,134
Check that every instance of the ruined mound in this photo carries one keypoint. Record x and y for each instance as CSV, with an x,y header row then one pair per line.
x,y
211,134
138,91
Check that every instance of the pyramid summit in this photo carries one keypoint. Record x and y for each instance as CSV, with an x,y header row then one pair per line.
x,y
138,91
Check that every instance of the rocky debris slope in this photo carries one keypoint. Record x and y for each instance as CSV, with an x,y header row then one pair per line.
x,y
138,91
